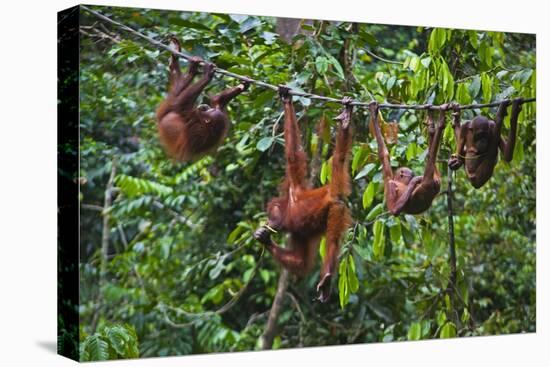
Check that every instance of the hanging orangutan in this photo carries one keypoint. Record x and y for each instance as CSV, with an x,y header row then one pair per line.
x,y
189,132
405,192
307,213
478,142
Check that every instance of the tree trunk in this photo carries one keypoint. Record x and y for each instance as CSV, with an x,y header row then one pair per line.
x,y
288,28
107,202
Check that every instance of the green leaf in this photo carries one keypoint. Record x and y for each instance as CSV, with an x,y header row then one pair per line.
x,y
264,274
269,37
234,233
214,294
367,37
414,86
448,331
343,290
426,325
448,80
426,61
376,211
448,303
362,252
441,318
359,157
406,62
430,245
486,87
152,54
463,288
321,64
324,173
465,316
482,54
407,235
217,269
523,76
506,93
96,349
134,186
337,66
193,170
415,331
502,74
437,40
265,143
519,155
323,248
413,64
276,342
250,23
449,133
248,274
472,37
262,98
231,167
474,86
411,151
189,24
352,275
462,94
395,230
347,279
379,239
391,82
368,195
365,171
117,337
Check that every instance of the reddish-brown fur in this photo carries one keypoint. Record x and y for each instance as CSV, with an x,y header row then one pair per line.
x,y
479,140
186,131
405,192
306,213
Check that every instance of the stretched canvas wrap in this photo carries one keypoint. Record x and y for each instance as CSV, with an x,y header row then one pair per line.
x,y
217,192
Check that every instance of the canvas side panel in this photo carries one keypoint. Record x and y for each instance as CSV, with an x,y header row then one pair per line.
x,y
67,182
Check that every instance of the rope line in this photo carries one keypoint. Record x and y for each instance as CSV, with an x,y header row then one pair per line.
x,y
293,92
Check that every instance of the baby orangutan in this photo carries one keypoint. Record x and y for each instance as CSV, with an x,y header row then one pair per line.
x,y
405,192
187,131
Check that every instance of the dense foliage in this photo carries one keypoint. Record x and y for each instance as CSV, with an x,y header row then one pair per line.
x,y
165,245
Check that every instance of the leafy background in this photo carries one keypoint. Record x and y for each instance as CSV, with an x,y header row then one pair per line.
x,y
168,265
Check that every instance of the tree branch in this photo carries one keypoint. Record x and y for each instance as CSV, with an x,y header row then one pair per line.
x,y
382,59
266,340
